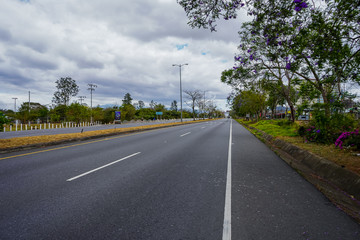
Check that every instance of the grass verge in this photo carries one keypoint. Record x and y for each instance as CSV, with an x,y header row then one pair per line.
x,y
288,132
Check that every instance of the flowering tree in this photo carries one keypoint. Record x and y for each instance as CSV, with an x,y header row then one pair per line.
x,y
316,42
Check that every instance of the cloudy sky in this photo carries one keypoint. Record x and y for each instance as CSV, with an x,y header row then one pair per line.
x,y
119,45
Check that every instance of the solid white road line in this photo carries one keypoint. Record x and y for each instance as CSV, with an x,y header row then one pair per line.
x,y
227,211
185,134
96,169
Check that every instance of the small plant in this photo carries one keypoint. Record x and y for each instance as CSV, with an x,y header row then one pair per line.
x,y
313,134
348,139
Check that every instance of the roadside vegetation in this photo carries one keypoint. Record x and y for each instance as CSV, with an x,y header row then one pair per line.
x,y
347,157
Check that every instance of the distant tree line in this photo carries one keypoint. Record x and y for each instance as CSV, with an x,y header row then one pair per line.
x,y
62,111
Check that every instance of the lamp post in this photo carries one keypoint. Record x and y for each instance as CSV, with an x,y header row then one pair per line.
x,y
180,65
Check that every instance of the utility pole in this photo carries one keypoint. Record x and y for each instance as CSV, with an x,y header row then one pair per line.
x,y
91,88
81,98
29,108
180,65
15,103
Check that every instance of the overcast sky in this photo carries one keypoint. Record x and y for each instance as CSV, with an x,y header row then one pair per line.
x,y
119,45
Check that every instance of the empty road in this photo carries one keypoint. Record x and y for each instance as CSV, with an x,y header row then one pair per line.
x,y
211,180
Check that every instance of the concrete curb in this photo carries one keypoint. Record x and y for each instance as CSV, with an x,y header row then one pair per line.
x,y
333,176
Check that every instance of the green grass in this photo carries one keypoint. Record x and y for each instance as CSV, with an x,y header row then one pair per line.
x,y
287,131
274,128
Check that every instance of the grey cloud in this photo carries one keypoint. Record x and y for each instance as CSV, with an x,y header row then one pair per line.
x,y
83,63
30,60
15,78
122,46
5,35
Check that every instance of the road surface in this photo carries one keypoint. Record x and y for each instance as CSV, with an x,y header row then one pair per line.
x,y
210,180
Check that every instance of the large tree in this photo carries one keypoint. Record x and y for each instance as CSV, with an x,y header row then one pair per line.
x,y
193,96
67,88
127,99
316,42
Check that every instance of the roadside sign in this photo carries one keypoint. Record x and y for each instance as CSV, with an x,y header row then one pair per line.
x,y
117,115
159,113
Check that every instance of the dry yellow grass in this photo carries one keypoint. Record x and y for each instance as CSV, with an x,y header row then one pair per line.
x,y
26,141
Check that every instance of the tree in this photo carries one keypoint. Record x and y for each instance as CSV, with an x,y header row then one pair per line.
x,y
77,113
127,99
98,114
3,120
152,104
145,113
193,97
37,111
58,113
67,88
127,112
141,104
319,44
174,106
249,102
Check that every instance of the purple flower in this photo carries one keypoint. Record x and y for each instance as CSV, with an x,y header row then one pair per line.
x,y
318,131
288,66
300,5
303,5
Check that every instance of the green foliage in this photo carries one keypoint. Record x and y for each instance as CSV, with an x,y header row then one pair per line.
x,y
58,113
109,114
127,99
37,111
3,120
324,129
67,88
248,102
78,113
127,112
145,114
276,127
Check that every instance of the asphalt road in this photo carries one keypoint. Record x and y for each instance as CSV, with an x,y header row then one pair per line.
x,y
168,184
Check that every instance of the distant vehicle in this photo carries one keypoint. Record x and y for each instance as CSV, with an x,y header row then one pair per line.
x,y
303,117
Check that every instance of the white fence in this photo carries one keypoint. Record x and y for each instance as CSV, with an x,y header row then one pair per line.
x,y
26,127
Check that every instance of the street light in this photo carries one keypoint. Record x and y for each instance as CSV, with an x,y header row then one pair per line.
x,y
180,65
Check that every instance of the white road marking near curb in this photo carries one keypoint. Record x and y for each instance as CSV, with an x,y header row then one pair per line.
x,y
185,134
227,211
96,169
